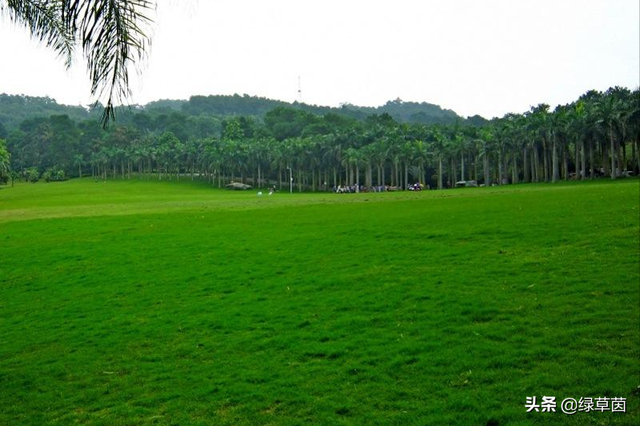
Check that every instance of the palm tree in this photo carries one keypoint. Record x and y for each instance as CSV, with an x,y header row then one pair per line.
x,y
381,154
422,155
438,144
486,145
607,109
579,130
78,160
5,163
559,123
112,33
368,153
621,124
501,134
541,124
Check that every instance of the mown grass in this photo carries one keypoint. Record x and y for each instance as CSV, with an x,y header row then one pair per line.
x,y
146,303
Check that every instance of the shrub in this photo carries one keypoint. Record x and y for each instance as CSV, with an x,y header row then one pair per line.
x,y
31,174
54,174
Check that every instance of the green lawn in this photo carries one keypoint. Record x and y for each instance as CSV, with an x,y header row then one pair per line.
x,y
172,303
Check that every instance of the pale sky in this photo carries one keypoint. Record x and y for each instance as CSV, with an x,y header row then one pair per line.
x,y
484,57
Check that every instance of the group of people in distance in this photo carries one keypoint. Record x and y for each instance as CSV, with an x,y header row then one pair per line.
x,y
348,189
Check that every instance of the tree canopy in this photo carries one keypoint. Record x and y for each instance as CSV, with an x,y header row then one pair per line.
x,y
597,135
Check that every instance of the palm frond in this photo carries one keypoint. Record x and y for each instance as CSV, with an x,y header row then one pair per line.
x,y
42,19
114,37
113,34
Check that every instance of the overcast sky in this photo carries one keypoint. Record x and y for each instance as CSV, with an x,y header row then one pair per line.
x,y
484,57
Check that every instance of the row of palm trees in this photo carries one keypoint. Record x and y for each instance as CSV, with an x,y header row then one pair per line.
x,y
595,136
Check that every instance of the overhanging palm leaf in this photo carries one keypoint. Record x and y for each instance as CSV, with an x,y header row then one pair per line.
x,y
42,19
112,34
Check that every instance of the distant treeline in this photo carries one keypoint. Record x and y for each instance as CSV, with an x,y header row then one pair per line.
x,y
597,135
16,108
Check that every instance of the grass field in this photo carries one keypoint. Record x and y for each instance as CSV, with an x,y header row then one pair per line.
x,y
165,303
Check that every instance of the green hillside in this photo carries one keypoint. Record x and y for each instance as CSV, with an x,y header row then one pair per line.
x,y
14,109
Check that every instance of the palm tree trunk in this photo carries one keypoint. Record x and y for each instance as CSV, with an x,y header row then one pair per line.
x,y
536,168
583,160
545,162
592,166
636,155
612,153
440,173
525,165
313,181
485,167
500,171
454,173
605,158
406,175
396,174
554,160
577,159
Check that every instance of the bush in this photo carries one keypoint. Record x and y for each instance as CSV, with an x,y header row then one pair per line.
x,y
54,174
31,174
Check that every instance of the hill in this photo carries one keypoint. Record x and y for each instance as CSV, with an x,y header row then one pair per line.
x,y
405,112
14,109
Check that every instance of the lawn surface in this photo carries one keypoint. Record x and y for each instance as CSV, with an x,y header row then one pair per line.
x,y
172,303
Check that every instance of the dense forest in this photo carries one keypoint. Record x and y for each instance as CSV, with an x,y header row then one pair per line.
x,y
16,108
264,142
